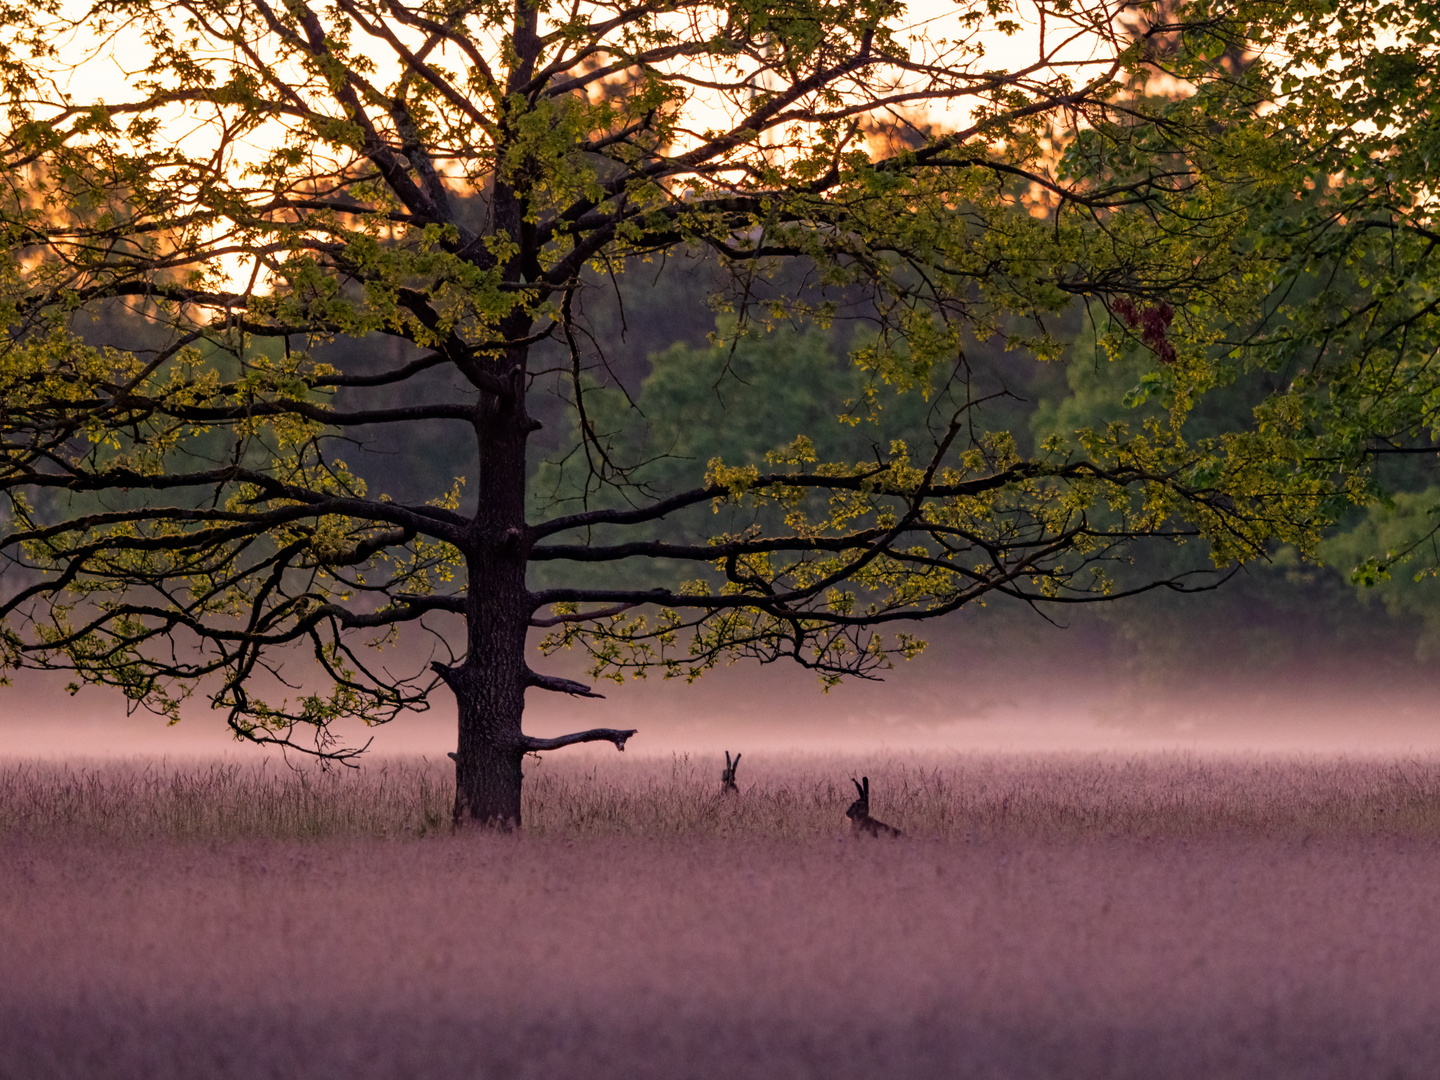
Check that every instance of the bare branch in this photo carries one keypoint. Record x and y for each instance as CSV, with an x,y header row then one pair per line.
x,y
613,735
559,685
582,616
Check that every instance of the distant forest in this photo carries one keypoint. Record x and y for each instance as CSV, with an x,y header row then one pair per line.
x,y
653,344
1283,617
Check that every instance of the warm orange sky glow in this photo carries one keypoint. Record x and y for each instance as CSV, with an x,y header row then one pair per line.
x,y
109,69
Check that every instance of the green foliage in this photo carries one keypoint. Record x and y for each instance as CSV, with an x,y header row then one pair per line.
x,y
760,398
1344,330
303,238
1390,554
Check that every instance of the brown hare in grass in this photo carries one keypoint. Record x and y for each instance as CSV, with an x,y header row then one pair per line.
x,y
727,778
861,823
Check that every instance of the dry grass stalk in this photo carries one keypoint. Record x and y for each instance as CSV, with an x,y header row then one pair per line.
x,y
930,797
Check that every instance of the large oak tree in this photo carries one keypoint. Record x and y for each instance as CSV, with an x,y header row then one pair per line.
x,y
263,237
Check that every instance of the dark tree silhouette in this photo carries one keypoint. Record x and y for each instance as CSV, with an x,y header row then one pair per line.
x,y
328,224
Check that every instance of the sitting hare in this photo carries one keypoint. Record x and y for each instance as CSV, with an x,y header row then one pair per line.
x,y
861,822
727,778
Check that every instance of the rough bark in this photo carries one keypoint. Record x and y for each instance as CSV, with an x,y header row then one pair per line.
x,y
490,683
488,779
489,745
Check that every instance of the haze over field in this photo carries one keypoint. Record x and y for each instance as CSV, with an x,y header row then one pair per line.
x,y
1096,343
1027,687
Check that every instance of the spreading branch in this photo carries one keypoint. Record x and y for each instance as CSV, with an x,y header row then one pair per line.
x,y
560,686
531,743
257,399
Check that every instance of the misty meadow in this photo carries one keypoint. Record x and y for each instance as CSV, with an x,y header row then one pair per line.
x,y
387,366
1067,916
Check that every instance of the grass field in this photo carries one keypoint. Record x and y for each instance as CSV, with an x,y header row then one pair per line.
x,y
1098,917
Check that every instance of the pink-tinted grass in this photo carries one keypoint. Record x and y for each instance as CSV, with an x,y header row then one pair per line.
x,y
934,797
1044,918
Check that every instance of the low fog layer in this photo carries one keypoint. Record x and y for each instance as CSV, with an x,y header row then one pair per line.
x,y
992,682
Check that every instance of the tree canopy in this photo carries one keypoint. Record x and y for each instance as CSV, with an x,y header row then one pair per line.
x,y
1351,312
287,237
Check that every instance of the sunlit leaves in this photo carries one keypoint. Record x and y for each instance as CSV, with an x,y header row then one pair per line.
x,y
424,194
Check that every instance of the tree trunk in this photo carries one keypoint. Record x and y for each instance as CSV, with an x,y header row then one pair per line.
x,y
487,788
490,748
490,684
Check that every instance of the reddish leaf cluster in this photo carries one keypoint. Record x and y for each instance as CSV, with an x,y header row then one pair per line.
x,y
1153,321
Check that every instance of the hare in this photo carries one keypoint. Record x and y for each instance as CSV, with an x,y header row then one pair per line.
x,y
861,823
727,778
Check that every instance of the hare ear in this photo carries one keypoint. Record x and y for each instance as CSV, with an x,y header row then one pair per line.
x,y
858,789
867,787
737,761
728,766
